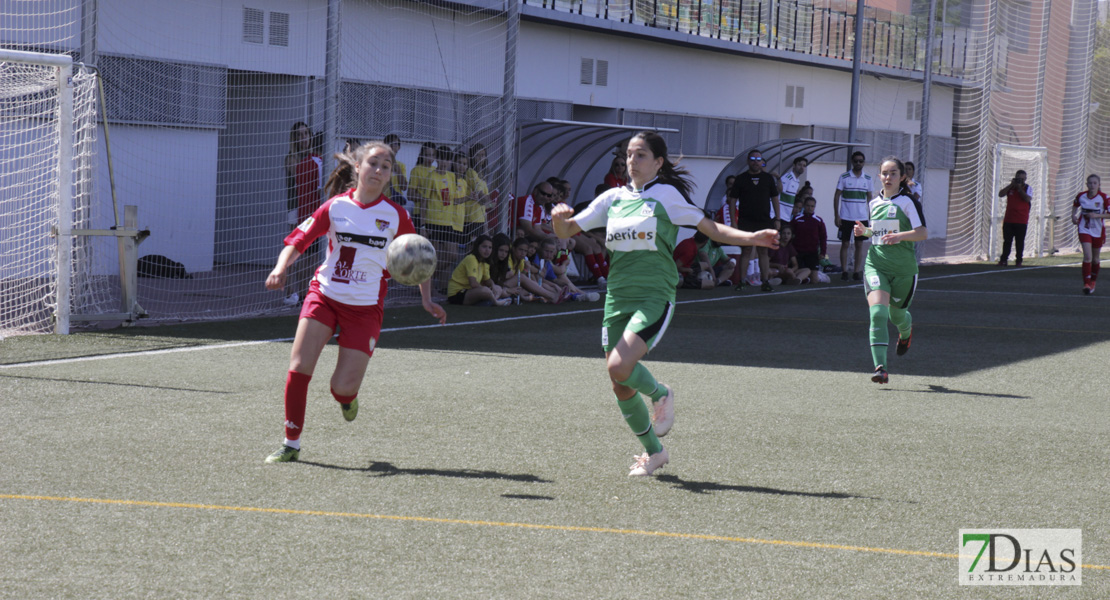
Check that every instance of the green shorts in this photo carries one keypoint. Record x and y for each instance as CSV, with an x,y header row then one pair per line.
x,y
900,287
646,318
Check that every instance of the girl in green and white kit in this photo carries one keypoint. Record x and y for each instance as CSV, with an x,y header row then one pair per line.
x,y
642,220
890,271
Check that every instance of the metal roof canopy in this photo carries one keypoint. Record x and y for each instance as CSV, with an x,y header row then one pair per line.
x,y
777,154
576,151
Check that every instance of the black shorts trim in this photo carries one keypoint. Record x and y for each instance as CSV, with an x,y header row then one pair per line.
x,y
652,330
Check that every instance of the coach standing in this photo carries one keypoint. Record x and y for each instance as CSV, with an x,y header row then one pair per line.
x,y
757,208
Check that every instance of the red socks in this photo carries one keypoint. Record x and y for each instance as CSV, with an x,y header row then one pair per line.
x,y
1086,272
1094,271
296,398
343,399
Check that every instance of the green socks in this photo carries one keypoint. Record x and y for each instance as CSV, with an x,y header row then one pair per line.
x,y
644,382
880,337
902,320
636,414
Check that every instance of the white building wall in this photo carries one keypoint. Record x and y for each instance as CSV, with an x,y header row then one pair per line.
x,y
170,174
211,32
442,50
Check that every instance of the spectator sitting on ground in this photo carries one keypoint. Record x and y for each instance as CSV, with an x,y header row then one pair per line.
x,y
589,245
501,269
530,212
556,272
701,264
520,273
784,261
471,282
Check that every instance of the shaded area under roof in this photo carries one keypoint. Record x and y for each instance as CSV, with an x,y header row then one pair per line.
x,y
579,152
779,156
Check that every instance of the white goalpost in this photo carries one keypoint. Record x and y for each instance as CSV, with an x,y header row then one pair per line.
x,y
47,143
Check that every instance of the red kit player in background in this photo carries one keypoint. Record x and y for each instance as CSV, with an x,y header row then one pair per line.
x,y
348,290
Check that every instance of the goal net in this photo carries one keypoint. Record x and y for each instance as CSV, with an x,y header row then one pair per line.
x,y
47,149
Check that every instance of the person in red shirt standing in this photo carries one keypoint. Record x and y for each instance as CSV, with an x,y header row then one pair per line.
x,y
1019,197
302,176
348,290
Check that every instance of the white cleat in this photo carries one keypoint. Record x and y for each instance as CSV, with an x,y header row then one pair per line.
x,y
662,412
646,465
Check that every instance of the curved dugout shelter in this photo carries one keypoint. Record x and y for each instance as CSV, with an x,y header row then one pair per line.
x,y
779,156
578,152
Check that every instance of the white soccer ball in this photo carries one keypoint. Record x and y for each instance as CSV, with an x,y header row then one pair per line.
x,y
411,259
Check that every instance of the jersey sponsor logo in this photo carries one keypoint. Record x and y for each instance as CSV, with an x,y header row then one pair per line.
x,y
874,282
365,240
304,226
626,234
892,212
344,271
382,224
648,210
882,227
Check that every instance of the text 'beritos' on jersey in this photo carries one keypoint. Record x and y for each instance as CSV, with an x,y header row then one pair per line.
x,y
625,234
366,240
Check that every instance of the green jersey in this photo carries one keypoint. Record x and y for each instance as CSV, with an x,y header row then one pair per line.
x,y
900,213
640,231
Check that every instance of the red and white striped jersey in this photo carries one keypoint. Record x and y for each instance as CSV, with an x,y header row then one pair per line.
x,y
1096,205
358,234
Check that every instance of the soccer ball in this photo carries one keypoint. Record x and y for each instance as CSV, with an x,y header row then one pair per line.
x,y
411,259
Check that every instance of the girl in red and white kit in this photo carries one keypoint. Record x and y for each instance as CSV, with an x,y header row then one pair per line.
x,y
1088,212
348,291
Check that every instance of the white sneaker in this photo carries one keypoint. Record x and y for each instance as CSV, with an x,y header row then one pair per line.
x,y
292,299
646,465
662,412
775,281
593,296
601,283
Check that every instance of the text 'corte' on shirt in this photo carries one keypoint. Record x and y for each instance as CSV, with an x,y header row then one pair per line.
x,y
854,194
641,227
358,234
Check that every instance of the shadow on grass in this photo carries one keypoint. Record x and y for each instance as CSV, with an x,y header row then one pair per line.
x,y
385,469
136,385
705,487
940,389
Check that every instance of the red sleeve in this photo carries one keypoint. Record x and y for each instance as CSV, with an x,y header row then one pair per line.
x,y
405,225
311,228
1075,202
685,252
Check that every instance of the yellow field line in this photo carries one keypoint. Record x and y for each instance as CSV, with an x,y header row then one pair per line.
x,y
665,534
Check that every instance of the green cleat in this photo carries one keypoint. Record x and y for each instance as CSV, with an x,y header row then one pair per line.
x,y
350,410
284,454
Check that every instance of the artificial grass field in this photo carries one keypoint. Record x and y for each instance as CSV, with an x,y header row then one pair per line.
x,y
489,459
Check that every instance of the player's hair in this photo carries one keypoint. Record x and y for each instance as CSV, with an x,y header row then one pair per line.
x,y
864,157
474,150
393,137
1022,171
420,159
670,173
520,241
798,159
909,163
1095,175
499,269
801,192
903,190
293,133
477,244
344,176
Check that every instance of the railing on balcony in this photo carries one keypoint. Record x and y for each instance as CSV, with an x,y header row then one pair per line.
x,y
825,28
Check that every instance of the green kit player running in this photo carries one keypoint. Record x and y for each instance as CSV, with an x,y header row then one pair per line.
x,y
890,271
642,220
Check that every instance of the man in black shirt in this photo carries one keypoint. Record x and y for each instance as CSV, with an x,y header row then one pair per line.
x,y
757,208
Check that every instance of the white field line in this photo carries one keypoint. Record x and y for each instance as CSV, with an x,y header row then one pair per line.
x,y
799,290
